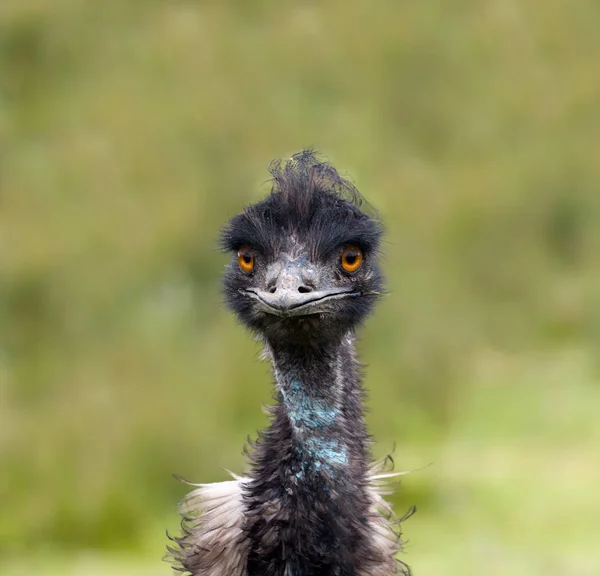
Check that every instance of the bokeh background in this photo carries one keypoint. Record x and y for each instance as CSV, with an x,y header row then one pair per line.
x,y
131,131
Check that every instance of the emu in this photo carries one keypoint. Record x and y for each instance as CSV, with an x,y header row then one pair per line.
x,y
304,275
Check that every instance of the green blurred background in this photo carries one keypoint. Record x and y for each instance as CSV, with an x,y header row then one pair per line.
x,y
130,132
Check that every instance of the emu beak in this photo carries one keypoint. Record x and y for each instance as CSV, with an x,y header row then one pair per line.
x,y
293,293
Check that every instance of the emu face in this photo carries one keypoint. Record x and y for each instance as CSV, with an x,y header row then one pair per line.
x,y
304,264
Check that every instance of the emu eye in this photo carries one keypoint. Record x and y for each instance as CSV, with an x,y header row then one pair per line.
x,y
352,258
245,258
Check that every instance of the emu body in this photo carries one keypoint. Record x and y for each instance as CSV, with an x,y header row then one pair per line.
x,y
304,276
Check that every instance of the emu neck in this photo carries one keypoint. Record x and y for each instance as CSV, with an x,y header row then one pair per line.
x,y
320,396
307,501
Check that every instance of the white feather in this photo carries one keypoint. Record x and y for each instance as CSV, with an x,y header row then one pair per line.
x,y
216,513
385,537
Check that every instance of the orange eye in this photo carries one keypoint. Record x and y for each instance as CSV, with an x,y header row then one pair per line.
x,y
245,260
352,258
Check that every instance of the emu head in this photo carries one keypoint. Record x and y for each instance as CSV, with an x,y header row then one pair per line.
x,y
305,259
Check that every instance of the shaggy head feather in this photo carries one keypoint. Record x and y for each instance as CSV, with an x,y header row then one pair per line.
x,y
303,226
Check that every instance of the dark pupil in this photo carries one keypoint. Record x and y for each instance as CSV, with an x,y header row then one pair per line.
x,y
350,257
247,258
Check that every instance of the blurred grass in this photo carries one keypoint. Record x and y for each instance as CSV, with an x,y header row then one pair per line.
x,y
129,132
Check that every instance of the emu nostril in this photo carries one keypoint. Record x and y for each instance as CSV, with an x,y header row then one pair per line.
x,y
305,289
272,289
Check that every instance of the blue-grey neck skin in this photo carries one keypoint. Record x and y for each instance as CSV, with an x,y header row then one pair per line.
x,y
307,501
313,400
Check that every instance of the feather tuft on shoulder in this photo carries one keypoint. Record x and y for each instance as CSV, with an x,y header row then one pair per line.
x,y
385,526
213,542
